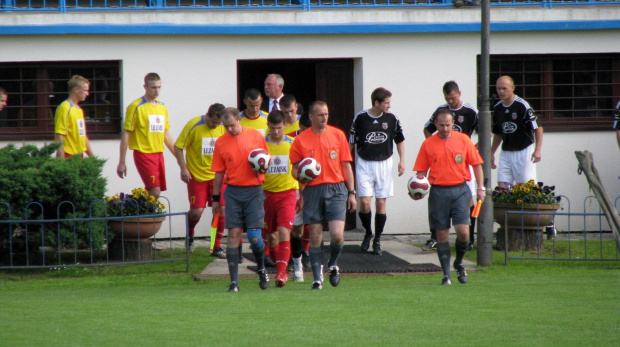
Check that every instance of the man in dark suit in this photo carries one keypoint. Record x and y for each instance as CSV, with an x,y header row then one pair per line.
x,y
274,84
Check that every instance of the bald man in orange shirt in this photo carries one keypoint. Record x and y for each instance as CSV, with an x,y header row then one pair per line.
x,y
244,193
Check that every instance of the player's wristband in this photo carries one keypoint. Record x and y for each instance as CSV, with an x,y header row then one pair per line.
x,y
216,198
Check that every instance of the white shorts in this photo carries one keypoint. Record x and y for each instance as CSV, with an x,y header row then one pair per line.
x,y
299,216
516,166
374,178
473,186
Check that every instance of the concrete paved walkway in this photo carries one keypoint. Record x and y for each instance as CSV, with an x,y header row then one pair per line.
x,y
406,247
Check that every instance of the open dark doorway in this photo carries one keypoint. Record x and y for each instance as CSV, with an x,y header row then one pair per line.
x,y
298,77
329,80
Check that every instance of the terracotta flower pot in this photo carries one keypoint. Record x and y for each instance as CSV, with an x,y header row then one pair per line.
x,y
135,229
525,221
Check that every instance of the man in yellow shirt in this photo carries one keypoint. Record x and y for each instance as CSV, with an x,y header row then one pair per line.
x,y
145,131
198,140
252,116
281,195
288,106
69,123
300,234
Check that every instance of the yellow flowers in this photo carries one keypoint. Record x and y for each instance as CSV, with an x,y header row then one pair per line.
x,y
529,192
139,193
139,202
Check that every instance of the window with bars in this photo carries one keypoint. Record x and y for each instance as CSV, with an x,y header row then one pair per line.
x,y
569,92
35,89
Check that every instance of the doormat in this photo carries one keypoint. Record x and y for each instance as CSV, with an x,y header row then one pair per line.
x,y
352,260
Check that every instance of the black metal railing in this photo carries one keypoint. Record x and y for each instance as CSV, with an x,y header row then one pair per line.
x,y
591,242
67,241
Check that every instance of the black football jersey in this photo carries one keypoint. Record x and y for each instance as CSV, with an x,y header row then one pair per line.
x,y
465,119
375,136
516,123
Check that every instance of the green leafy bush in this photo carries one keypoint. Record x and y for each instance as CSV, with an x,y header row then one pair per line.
x,y
29,174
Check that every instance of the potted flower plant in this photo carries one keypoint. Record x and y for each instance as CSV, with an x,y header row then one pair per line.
x,y
529,192
135,206
523,229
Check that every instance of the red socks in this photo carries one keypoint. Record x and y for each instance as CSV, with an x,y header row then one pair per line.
x,y
273,252
192,226
267,248
305,239
221,226
283,254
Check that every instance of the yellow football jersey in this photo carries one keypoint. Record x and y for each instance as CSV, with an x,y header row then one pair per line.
x,y
291,129
69,121
259,123
148,124
279,176
198,140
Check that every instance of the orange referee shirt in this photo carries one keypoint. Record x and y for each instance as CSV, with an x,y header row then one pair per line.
x,y
231,155
448,159
330,149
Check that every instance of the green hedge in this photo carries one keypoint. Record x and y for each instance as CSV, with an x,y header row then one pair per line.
x,y
32,174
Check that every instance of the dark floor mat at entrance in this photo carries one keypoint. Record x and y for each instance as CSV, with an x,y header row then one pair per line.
x,y
352,260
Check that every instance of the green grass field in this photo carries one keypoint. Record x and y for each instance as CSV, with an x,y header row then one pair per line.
x,y
527,303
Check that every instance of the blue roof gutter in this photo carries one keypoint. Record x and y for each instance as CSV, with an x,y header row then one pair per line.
x,y
298,29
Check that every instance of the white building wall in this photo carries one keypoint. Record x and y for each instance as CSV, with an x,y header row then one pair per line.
x,y
199,70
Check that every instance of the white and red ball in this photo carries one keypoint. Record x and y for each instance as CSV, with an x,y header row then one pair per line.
x,y
418,186
259,160
308,170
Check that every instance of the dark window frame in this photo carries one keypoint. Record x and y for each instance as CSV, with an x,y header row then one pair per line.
x,y
36,88
569,92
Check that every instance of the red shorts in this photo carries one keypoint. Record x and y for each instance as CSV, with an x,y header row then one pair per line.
x,y
201,193
67,155
280,210
152,169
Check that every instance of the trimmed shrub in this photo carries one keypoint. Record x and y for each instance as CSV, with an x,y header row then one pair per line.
x,y
31,174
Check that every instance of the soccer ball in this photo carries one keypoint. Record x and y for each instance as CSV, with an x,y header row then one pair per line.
x,y
259,160
418,186
308,170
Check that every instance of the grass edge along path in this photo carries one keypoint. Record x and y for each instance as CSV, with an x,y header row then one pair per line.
x,y
525,303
